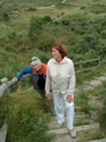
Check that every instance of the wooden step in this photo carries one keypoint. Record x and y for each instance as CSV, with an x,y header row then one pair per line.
x,y
79,128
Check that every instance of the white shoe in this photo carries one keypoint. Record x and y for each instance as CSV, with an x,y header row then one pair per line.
x,y
73,133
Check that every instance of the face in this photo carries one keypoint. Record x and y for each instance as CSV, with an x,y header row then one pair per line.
x,y
56,54
36,66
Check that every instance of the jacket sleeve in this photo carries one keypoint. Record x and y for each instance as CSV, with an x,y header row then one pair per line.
x,y
72,80
25,71
48,81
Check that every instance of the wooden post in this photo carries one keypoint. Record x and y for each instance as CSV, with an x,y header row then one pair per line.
x,y
99,65
81,69
5,81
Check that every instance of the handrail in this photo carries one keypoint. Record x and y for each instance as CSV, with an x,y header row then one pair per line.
x,y
82,62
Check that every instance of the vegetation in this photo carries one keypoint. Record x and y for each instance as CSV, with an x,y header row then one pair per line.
x,y
26,117
102,111
27,32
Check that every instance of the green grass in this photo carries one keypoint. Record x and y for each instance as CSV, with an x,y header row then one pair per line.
x,y
91,135
26,117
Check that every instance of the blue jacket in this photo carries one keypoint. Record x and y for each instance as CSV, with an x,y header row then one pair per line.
x,y
33,72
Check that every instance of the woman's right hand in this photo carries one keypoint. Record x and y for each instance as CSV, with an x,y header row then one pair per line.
x,y
49,95
14,78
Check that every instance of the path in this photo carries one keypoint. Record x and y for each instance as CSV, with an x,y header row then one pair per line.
x,y
62,135
50,6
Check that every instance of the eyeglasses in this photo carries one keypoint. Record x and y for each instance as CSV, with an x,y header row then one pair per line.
x,y
32,60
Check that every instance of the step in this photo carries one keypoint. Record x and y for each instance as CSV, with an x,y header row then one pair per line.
x,y
53,123
99,140
77,116
93,83
63,138
3,132
102,78
79,128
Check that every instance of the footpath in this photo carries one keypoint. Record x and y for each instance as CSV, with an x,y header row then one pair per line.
x,y
62,135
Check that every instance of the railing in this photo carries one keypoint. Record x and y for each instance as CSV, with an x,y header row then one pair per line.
x,y
82,62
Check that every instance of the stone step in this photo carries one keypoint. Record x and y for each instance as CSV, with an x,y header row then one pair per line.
x,y
102,78
93,83
3,132
79,128
63,138
53,124
99,140
103,73
77,116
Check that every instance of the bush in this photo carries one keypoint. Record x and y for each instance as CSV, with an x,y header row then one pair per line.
x,y
8,47
91,54
35,26
46,19
31,9
65,22
4,17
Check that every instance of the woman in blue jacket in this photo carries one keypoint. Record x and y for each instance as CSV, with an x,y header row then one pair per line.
x,y
38,72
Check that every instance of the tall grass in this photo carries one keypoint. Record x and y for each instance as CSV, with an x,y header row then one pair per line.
x,y
25,114
102,111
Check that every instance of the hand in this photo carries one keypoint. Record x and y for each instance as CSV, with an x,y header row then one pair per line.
x,y
69,98
14,78
49,95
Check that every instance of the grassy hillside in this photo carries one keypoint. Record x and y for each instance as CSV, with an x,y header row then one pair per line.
x,y
36,2
27,31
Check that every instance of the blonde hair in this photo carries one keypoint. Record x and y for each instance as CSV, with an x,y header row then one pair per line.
x,y
60,47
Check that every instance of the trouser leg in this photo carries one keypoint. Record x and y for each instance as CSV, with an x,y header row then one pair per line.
x,y
59,107
70,113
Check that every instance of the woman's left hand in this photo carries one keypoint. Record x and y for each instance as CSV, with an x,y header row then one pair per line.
x,y
69,98
49,95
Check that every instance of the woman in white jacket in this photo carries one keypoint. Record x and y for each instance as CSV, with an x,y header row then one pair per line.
x,y
61,79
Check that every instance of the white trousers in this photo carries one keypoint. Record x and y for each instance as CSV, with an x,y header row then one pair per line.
x,y
58,100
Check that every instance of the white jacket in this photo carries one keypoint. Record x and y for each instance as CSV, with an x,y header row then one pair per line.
x,y
60,76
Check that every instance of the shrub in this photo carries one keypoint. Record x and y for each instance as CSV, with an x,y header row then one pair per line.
x,y
91,54
31,9
4,17
65,22
78,57
35,26
8,47
46,19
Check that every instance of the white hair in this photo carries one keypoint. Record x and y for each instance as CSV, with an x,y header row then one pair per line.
x,y
36,60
